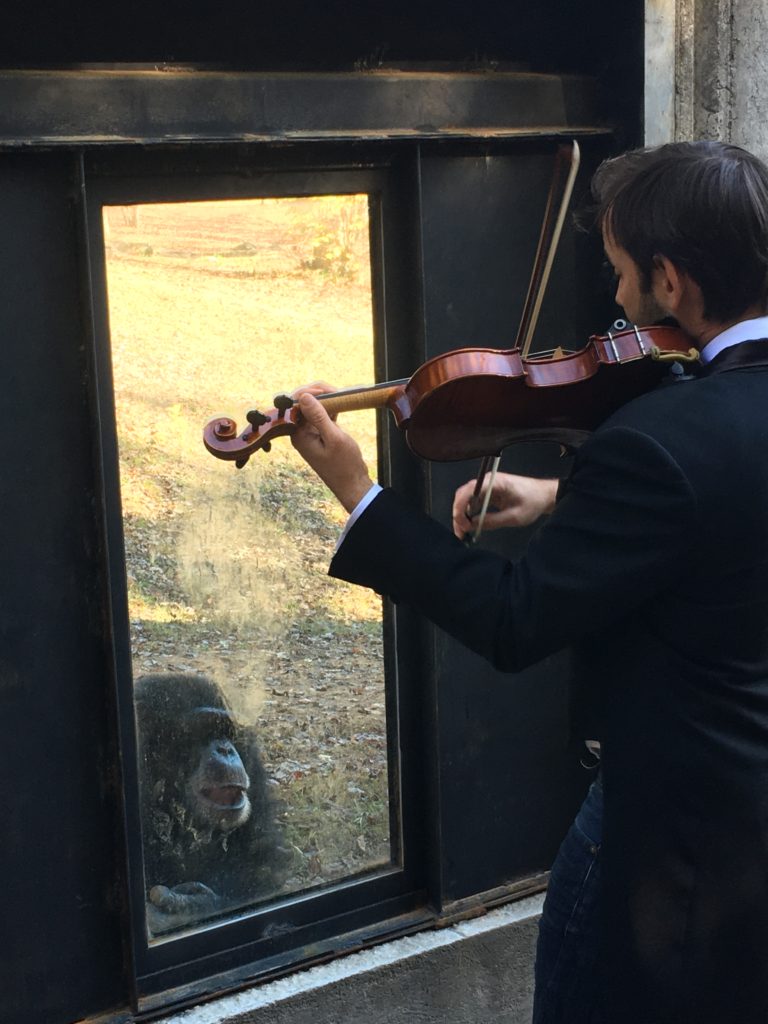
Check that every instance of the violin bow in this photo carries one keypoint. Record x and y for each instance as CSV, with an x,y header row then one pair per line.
x,y
567,160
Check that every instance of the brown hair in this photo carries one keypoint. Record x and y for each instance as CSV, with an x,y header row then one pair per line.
x,y
703,205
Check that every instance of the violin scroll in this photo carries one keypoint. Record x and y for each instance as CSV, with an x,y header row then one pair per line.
x,y
221,438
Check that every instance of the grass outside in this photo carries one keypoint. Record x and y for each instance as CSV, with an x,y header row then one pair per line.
x,y
215,308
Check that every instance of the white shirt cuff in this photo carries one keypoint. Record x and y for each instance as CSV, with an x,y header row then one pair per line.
x,y
357,511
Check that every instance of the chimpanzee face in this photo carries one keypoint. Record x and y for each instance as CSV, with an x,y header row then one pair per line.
x,y
217,788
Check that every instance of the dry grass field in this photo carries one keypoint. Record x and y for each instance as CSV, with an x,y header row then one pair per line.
x,y
215,308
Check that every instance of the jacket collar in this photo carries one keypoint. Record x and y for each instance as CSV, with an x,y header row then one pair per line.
x,y
744,330
740,356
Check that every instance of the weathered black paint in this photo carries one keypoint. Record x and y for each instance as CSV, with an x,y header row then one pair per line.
x,y
551,35
60,855
507,775
73,107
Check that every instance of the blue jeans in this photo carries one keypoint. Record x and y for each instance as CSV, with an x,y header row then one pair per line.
x,y
567,989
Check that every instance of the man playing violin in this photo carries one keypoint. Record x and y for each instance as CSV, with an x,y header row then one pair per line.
x,y
651,563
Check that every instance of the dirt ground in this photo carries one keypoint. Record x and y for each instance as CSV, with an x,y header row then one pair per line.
x,y
214,308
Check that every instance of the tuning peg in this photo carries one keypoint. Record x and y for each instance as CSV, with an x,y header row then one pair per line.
x,y
256,419
283,403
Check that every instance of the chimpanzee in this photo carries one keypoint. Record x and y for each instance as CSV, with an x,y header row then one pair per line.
x,y
210,839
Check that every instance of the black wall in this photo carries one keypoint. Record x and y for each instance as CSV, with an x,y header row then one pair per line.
x,y
551,35
60,856
593,37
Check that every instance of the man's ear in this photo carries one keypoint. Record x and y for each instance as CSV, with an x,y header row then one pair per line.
x,y
668,283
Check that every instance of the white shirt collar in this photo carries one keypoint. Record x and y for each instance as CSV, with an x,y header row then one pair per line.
x,y
746,330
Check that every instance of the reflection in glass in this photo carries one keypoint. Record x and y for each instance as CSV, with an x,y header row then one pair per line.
x,y
248,659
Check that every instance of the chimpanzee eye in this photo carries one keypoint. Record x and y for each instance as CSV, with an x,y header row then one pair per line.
x,y
207,723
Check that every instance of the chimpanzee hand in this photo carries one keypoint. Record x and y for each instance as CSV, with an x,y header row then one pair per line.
x,y
182,904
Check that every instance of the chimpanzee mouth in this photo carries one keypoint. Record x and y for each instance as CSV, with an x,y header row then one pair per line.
x,y
230,797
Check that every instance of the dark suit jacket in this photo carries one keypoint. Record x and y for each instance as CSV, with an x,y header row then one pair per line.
x,y
654,568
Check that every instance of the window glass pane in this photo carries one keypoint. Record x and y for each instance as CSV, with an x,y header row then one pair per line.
x,y
259,681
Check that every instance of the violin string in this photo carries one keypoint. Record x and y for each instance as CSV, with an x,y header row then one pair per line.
x,y
362,388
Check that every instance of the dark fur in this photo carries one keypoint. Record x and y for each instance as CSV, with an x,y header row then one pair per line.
x,y
197,863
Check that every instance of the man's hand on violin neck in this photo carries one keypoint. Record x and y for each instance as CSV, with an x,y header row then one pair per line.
x,y
515,501
332,453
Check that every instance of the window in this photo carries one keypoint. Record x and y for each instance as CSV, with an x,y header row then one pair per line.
x,y
259,702
259,680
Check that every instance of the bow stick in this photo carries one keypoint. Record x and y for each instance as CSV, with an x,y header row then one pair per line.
x,y
567,161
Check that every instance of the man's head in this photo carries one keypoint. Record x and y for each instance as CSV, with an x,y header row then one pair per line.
x,y
697,208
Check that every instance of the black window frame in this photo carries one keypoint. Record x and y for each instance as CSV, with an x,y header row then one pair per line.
x,y
316,918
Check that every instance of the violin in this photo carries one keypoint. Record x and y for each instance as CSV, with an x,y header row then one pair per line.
x,y
474,402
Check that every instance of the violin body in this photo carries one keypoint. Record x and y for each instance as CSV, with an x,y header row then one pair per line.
x,y
470,403
474,402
